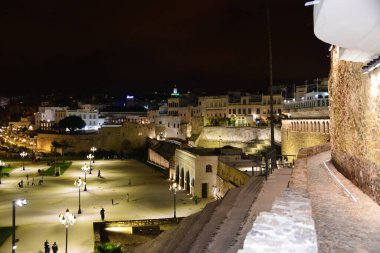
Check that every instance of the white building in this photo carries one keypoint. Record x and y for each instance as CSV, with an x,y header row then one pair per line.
x,y
196,169
47,116
90,117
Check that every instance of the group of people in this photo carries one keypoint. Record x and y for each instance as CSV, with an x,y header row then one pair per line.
x,y
54,247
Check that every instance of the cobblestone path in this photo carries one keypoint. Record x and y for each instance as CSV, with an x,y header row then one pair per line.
x,y
342,225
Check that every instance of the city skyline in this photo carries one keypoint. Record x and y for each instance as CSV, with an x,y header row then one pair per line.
x,y
134,47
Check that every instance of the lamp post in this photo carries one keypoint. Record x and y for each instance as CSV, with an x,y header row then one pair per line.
x,y
90,157
15,203
174,188
93,149
1,169
85,169
78,183
67,219
23,154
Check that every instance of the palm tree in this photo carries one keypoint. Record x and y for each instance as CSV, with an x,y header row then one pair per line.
x,y
55,145
63,145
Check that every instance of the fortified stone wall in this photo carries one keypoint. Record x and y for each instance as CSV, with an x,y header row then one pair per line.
x,y
303,133
213,137
355,124
120,138
77,143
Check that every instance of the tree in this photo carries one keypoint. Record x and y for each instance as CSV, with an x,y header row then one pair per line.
x,y
55,145
64,144
108,248
72,123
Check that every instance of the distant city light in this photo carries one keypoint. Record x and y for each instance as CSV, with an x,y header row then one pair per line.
x,y
312,3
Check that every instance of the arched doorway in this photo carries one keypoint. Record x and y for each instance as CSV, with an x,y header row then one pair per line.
x,y
187,187
177,174
182,179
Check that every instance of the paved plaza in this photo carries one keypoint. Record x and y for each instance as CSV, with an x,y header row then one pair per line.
x,y
149,197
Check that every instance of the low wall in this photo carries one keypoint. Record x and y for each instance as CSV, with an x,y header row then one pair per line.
x,y
228,178
299,174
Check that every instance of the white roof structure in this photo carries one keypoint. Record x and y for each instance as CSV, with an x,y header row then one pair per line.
x,y
353,25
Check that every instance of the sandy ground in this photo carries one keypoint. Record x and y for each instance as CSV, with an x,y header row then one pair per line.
x,y
149,197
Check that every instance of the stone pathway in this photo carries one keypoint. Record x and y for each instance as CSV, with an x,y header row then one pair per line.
x,y
342,225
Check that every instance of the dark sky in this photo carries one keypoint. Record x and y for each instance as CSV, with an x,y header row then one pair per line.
x,y
124,46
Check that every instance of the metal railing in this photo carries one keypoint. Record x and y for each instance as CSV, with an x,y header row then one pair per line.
x,y
323,102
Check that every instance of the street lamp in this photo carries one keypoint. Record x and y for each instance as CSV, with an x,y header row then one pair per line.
x,y
1,169
78,183
174,188
93,149
23,154
90,157
67,219
85,169
15,203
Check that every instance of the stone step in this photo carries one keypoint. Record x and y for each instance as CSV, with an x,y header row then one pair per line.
x,y
236,217
217,218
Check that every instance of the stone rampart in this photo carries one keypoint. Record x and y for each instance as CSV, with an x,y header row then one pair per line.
x,y
122,138
355,124
214,137
303,133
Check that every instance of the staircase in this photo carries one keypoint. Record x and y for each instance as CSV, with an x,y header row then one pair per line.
x,y
206,231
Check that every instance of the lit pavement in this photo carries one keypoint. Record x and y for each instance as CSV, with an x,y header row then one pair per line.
x,y
342,224
149,197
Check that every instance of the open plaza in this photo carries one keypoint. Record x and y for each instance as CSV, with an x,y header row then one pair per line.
x,y
127,190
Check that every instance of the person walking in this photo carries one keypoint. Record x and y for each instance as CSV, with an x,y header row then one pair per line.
x,y
127,197
54,247
47,246
27,177
112,201
98,173
102,213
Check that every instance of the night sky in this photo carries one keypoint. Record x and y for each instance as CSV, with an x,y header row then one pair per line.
x,y
136,46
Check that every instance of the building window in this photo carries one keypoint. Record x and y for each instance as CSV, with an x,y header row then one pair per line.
x,y
249,111
257,110
208,168
239,111
234,111
243,110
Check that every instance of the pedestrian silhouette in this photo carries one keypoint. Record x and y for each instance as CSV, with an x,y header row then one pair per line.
x,y
98,173
127,197
112,201
54,247
47,246
27,177
129,183
102,214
